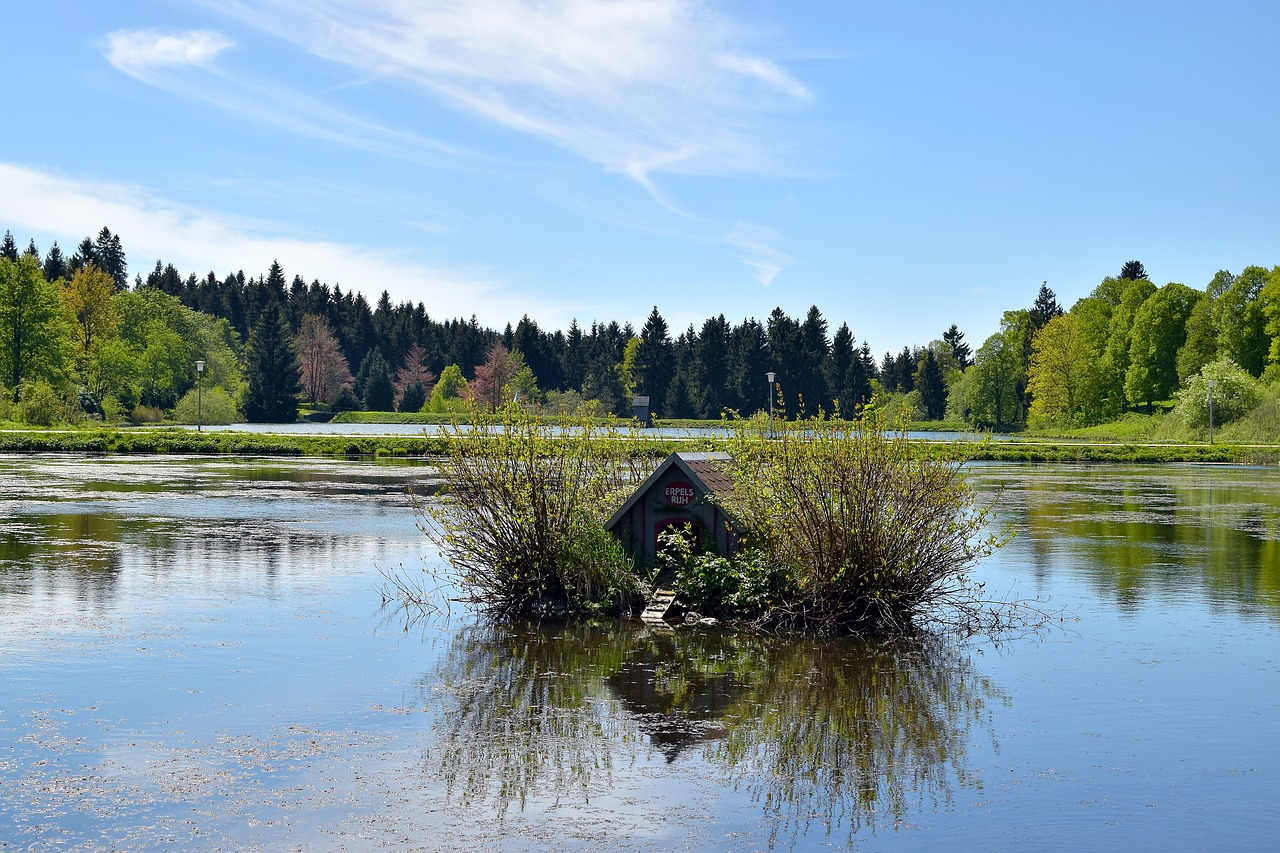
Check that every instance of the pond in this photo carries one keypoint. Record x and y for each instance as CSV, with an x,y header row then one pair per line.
x,y
195,656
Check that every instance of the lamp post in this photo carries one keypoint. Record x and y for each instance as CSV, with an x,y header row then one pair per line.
x,y
771,376
1211,411
199,395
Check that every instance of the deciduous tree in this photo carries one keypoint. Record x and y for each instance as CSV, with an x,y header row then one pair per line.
x,y
33,341
325,371
1159,331
1063,372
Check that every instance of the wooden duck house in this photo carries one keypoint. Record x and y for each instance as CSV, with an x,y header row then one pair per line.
x,y
680,493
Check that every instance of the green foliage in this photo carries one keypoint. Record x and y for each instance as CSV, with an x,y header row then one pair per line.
x,y
873,533
744,586
271,365
521,523
1240,320
1235,392
212,406
41,405
415,397
1159,331
147,415
34,343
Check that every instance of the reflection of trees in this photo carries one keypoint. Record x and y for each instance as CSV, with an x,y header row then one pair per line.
x,y
837,736
1159,536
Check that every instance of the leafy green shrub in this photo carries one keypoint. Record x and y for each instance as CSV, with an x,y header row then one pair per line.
x,y
743,587
521,522
147,415
212,406
873,533
41,405
1235,392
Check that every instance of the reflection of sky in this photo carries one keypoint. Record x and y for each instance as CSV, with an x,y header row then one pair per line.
x,y
192,651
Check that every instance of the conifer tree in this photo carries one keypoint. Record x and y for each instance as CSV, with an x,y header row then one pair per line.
x,y
55,265
376,387
8,248
271,367
109,256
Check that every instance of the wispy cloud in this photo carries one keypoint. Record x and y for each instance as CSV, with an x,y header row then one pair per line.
x,y
143,53
637,87
759,250
55,207
183,64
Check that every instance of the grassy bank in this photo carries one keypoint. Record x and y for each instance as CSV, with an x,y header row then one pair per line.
x,y
181,441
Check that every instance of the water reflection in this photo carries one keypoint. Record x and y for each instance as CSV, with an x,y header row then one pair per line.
x,y
1150,534
831,737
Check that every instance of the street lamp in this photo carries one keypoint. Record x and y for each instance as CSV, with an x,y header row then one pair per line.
x,y
1211,411
199,394
771,375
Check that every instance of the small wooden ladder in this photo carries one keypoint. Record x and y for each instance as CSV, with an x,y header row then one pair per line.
x,y
662,601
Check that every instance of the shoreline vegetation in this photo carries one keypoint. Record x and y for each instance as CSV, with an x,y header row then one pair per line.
x,y
143,440
841,528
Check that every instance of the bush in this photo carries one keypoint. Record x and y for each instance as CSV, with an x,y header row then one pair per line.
x,y
1235,392
212,406
146,415
521,522
742,587
40,405
869,532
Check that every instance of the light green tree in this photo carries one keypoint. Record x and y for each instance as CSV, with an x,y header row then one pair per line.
x,y
997,372
1271,311
1115,357
1062,376
33,337
1235,392
450,391
1241,322
1159,331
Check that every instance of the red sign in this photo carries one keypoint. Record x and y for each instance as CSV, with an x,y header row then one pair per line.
x,y
679,493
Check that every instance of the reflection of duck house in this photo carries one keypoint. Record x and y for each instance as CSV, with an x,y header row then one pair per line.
x,y
683,492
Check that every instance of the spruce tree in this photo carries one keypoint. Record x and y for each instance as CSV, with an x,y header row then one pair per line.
x,y
9,248
932,388
375,383
110,257
55,266
271,367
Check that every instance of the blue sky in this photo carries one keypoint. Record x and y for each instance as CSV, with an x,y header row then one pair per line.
x,y
904,166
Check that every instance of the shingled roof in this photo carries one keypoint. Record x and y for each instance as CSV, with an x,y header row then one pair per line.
x,y
708,469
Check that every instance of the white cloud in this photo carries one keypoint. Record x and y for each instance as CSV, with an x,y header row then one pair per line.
x,y
141,53
633,86
760,252
53,207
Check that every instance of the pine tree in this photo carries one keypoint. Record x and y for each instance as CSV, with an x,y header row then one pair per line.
x,y
86,253
932,388
375,384
8,248
1046,307
655,364
110,257
33,250
271,367
960,351
55,266
1133,270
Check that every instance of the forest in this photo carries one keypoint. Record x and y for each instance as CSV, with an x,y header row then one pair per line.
x,y
81,341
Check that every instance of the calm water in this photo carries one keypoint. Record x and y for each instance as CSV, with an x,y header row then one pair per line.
x,y
192,655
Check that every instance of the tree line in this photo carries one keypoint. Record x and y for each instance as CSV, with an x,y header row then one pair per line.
x,y
74,326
